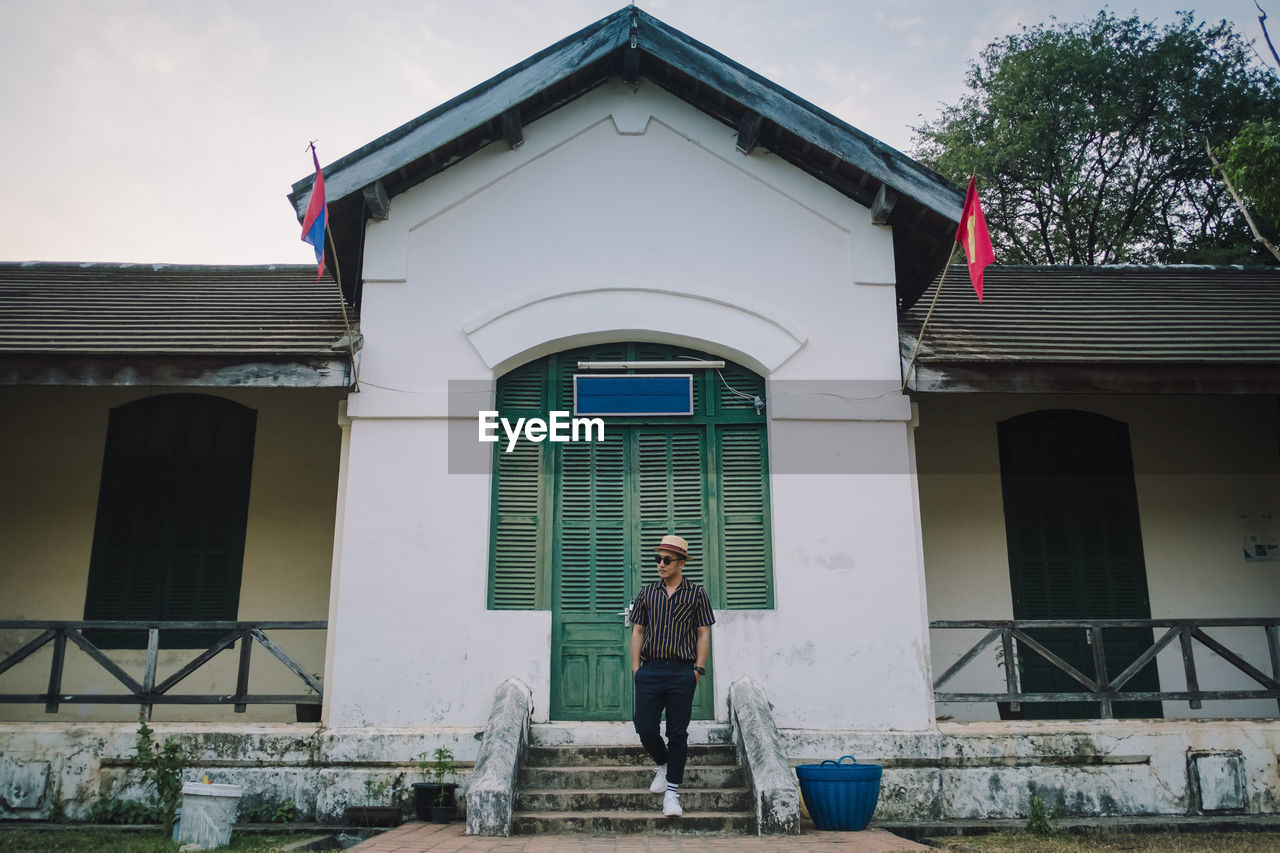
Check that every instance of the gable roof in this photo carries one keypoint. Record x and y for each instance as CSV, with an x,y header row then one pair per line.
x,y
633,44
58,318
1074,328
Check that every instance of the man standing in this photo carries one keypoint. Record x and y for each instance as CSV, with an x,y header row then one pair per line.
x,y
670,636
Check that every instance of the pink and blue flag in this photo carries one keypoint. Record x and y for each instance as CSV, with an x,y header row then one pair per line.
x,y
316,221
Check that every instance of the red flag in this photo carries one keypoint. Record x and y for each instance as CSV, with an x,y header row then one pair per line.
x,y
316,221
974,237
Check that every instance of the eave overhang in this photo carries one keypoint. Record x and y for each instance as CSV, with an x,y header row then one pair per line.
x,y
1101,378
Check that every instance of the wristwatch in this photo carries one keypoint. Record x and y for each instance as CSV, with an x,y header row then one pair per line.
x,y
701,670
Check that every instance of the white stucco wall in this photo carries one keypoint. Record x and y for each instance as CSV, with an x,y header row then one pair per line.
x,y
628,215
1200,464
51,466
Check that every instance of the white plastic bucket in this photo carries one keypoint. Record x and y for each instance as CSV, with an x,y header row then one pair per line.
x,y
208,813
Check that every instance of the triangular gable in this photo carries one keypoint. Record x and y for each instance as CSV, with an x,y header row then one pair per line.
x,y
922,207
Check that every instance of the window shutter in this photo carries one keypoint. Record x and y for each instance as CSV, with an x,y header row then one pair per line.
x,y
173,507
672,496
744,505
1075,548
518,503
593,556
517,537
737,388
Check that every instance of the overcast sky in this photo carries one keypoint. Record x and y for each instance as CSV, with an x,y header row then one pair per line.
x,y
172,130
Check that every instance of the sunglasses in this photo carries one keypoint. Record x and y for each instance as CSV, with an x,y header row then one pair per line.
x,y
665,561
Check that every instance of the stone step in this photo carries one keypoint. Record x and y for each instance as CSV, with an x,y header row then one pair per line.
x,y
632,823
595,800
581,777
623,755
605,733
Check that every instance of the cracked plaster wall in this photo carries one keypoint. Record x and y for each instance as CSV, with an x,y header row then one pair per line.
x,y
973,770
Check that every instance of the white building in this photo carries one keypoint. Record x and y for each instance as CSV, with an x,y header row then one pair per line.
x,y
629,195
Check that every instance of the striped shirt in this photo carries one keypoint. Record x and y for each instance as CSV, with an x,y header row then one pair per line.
x,y
671,622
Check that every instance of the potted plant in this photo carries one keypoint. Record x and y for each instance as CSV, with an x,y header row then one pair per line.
x,y
433,798
371,814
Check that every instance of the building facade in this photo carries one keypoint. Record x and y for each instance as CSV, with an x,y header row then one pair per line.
x,y
630,206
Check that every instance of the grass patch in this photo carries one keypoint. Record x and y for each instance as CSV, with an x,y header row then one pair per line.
x,y
1156,842
114,841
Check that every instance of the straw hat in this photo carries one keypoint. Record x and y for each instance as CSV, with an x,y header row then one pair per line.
x,y
671,542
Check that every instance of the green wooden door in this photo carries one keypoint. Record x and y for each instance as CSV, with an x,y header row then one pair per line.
x,y
613,501
593,570
1075,551
673,482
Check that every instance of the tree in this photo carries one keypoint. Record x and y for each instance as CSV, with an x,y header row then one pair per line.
x,y
1252,176
1252,168
1090,140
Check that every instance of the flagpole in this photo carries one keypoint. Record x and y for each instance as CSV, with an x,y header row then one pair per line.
x,y
977,284
342,300
906,374
307,224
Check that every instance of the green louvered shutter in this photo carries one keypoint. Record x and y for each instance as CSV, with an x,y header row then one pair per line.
x,y
592,558
672,499
1075,550
519,502
744,508
173,508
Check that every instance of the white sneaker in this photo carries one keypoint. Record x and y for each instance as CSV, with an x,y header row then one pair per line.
x,y
659,780
671,805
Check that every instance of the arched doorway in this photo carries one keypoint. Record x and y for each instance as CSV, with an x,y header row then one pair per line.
x,y
573,524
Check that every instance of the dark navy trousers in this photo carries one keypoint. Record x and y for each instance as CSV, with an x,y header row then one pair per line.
x,y
665,685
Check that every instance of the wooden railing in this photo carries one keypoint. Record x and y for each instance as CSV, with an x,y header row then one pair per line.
x,y
1100,687
147,692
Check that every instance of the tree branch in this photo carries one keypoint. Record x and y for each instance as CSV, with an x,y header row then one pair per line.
x,y
1262,21
1257,235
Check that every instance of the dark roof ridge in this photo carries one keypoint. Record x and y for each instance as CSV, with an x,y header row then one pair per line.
x,y
618,19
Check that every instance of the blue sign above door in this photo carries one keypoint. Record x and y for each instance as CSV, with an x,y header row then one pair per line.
x,y
633,394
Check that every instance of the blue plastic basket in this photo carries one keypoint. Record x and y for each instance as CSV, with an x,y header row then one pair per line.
x,y
840,796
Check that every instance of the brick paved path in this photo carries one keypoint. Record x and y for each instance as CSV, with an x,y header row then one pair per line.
x,y
438,838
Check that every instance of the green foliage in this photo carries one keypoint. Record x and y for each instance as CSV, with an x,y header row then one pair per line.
x,y
437,769
1252,163
1042,822
115,811
162,766
265,812
1089,138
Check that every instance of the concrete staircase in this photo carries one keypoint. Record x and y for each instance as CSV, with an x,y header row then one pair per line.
x,y
603,789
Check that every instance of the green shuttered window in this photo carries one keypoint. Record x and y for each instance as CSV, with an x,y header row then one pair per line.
x,y
172,509
587,513
1075,550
